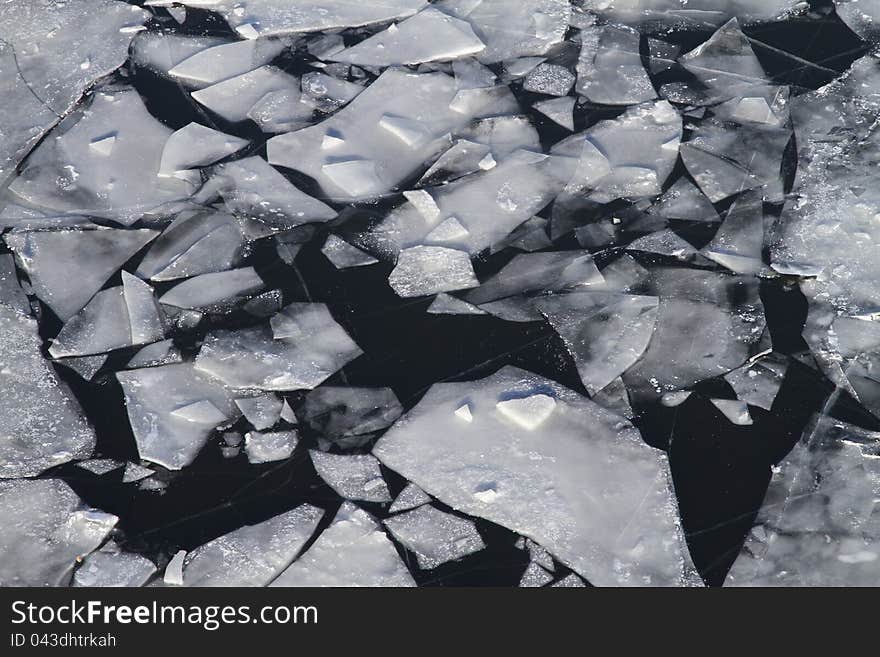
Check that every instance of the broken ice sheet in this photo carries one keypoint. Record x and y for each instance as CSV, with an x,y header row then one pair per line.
x,y
195,145
103,161
252,555
428,36
46,65
535,576
409,498
234,98
604,332
354,477
352,551
610,67
758,383
255,18
44,424
366,160
496,468
48,257
46,531
344,255
220,290
435,536
817,526
157,399
226,60
300,348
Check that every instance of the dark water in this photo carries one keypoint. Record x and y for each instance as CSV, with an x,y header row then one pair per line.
x,y
720,470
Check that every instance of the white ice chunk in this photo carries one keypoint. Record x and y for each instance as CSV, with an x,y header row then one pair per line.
x,y
134,472
327,93
113,568
227,60
252,555
758,383
46,531
303,347
423,270
445,304
558,110
344,255
99,466
216,289
352,551
595,496
234,98
201,412
352,476
535,576
464,412
435,536
610,70
262,412
158,353
549,79
173,575
268,447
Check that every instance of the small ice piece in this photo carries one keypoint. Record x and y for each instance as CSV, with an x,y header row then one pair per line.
x,y
268,447
610,71
327,93
528,412
85,366
221,289
103,145
111,567
540,556
569,581
549,79
265,304
435,536
595,496
558,110
252,188
521,66
153,394
818,523
225,61
64,175
428,36
252,555
535,576
673,399
758,383
300,348
99,466
262,412
46,531
409,498
48,257
423,270
352,476
200,412
664,242
450,230
174,570
233,99
195,145
158,353
464,412
514,28
352,551
43,424
735,411
344,255
134,472
445,304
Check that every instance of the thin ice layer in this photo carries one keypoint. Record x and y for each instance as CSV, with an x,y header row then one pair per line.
x,y
595,496
435,536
